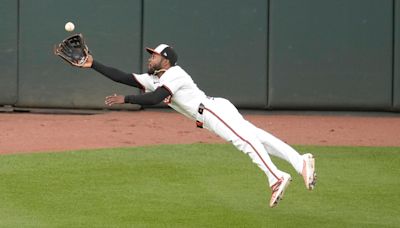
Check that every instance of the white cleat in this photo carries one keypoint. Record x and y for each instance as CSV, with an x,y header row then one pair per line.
x,y
308,172
278,189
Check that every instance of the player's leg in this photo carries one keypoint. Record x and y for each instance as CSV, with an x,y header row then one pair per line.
x,y
278,180
222,118
303,164
278,148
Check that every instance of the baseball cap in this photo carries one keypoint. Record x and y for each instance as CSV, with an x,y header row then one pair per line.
x,y
165,51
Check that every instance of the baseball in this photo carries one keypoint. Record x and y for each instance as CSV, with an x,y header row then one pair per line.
x,y
69,27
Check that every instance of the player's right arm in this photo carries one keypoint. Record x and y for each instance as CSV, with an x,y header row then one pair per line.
x,y
112,73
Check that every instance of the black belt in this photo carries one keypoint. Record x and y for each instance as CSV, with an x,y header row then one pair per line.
x,y
200,110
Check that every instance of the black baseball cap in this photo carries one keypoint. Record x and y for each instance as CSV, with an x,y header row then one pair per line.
x,y
166,52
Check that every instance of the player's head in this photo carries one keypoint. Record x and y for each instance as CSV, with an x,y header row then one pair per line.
x,y
161,55
166,52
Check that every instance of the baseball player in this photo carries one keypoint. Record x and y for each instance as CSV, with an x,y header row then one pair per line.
x,y
166,81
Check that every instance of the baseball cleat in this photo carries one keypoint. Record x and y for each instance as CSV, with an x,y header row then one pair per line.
x,y
278,189
308,173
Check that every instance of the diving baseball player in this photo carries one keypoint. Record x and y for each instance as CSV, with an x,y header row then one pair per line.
x,y
166,81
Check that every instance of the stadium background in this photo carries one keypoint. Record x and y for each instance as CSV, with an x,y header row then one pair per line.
x,y
265,55
276,54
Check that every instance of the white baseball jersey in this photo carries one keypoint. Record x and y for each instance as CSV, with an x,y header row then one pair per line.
x,y
186,96
221,117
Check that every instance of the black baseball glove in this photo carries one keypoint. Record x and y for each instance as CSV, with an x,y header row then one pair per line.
x,y
73,50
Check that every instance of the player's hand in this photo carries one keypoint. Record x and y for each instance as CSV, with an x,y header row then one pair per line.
x,y
114,99
88,62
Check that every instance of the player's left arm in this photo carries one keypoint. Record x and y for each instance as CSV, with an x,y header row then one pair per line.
x,y
151,98
115,74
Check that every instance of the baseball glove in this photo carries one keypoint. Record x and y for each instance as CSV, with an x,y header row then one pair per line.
x,y
73,50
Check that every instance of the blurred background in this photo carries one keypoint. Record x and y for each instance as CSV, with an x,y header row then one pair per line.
x,y
260,54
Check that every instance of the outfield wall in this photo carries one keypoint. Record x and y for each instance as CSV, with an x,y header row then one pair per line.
x,y
8,52
276,54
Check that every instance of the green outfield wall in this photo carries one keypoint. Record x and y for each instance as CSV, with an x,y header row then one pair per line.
x,y
331,54
260,54
113,32
396,57
8,52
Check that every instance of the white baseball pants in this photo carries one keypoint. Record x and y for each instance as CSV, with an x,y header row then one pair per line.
x,y
221,117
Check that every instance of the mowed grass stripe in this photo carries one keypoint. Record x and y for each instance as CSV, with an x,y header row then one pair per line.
x,y
199,185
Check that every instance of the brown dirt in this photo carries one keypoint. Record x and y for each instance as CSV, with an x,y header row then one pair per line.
x,y
44,132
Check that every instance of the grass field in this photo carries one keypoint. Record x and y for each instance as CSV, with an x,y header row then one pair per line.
x,y
197,185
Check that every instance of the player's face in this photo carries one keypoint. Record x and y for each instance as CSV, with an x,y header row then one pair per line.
x,y
154,63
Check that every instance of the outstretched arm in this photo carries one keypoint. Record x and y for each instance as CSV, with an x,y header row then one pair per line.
x,y
151,98
112,73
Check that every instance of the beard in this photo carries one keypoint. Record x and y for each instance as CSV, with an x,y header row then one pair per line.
x,y
154,68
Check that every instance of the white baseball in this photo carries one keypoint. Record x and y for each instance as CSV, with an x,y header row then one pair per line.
x,y
69,26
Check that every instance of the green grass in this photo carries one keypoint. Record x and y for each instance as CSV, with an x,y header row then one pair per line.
x,y
197,185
